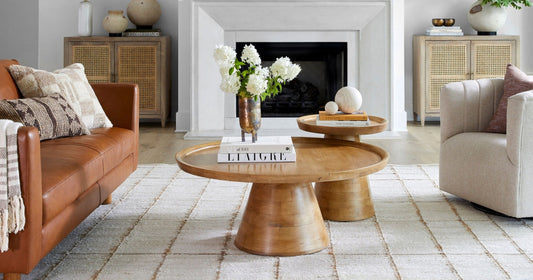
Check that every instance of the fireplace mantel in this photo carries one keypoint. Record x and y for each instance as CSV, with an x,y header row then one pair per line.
x,y
373,30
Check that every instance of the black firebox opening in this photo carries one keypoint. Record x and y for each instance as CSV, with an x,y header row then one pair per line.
x,y
323,73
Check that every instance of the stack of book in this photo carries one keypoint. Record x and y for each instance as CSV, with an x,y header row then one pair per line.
x,y
445,31
142,32
265,149
359,118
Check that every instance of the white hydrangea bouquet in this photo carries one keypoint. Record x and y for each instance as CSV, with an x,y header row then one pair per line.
x,y
252,81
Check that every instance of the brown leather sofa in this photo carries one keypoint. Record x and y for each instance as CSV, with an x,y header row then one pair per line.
x,y
63,180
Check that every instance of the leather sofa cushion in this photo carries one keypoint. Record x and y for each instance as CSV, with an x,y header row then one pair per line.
x,y
73,164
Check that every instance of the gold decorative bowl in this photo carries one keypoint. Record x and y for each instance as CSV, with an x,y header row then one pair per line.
x,y
438,21
449,21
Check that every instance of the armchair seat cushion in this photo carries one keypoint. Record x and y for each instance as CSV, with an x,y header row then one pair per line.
x,y
479,159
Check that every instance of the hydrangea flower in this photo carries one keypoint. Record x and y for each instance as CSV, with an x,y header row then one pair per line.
x,y
285,69
257,84
230,83
225,57
250,55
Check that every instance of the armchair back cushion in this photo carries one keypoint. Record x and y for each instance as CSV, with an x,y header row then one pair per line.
x,y
468,106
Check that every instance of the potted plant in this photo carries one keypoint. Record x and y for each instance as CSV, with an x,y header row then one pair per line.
x,y
487,16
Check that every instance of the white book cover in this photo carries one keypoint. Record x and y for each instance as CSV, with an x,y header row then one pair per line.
x,y
343,123
264,144
256,157
444,34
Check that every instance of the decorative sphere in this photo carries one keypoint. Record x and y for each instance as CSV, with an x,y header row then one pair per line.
x,y
144,13
331,107
349,99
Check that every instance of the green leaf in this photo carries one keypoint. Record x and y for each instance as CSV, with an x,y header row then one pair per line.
x,y
506,3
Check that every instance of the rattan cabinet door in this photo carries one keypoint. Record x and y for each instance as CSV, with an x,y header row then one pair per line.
x,y
490,58
138,63
96,58
447,61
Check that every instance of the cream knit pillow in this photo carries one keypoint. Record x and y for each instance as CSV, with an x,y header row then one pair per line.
x,y
70,82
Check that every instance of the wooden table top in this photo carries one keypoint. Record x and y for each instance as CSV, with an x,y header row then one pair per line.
x,y
308,123
317,160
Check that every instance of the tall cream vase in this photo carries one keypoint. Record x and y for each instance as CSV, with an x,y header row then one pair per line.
x,y
486,19
85,18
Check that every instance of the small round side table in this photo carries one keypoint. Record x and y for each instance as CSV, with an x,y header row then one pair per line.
x,y
344,200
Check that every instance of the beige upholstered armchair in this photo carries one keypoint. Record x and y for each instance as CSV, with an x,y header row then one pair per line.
x,y
490,169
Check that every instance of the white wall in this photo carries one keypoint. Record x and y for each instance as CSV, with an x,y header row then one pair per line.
x,y
18,31
33,31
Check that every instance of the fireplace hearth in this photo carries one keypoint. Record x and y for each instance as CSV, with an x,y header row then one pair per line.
x,y
323,73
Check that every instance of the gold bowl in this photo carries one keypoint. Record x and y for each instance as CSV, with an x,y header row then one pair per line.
x,y
438,21
449,21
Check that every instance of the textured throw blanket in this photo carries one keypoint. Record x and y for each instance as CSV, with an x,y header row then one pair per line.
x,y
12,217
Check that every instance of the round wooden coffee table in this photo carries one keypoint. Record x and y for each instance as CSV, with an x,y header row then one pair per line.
x,y
282,216
344,200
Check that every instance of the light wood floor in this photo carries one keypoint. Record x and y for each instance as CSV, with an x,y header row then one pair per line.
x,y
419,145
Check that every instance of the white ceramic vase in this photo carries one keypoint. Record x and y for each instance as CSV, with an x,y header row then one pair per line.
x,y
85,18
144,13
486,19
115,23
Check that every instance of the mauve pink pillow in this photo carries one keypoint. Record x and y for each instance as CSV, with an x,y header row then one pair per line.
x,y
515,81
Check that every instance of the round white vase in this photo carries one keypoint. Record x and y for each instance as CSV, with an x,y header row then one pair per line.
x,y
486,19
115,23
144,13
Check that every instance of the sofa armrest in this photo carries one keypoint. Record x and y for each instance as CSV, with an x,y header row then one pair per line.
x,y
468,106
520,130
120,103
25,247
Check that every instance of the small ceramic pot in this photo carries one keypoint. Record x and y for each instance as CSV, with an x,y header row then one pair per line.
x,y
144,13
115,23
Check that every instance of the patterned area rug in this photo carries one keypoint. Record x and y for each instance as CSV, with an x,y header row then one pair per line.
x,y
167,224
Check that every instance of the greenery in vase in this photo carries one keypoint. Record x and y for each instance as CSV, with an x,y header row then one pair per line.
x,y
506,3
246,77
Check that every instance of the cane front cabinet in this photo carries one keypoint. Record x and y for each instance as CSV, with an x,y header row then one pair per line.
x,y
438,60
144,61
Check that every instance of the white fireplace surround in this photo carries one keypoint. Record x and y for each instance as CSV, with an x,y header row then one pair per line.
x,y
373,31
